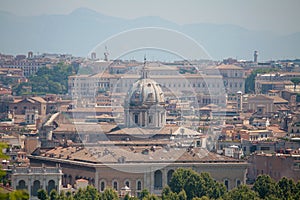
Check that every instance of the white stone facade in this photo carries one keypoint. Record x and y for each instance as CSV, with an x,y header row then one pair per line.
x,y
34,178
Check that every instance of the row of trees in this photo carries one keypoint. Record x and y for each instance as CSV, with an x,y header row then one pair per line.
x,y
187,184
90,193
52,80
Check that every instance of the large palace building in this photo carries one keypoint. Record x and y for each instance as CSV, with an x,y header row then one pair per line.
x,y
210,85
142,152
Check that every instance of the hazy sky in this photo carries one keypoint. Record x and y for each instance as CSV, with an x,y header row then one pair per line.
x,y
281,16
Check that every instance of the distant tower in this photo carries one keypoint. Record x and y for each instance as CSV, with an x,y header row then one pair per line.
x,y
106,54
255,56
93,56
30,55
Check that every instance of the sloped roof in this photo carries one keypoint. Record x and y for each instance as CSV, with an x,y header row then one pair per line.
x,y
112,154
39,99
260,97
84,128
278,99
223,66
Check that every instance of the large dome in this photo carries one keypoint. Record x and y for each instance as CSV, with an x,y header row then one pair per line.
x,y
144,104
145,92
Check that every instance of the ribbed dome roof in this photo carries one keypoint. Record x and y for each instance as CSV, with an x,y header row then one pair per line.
x,y
145,92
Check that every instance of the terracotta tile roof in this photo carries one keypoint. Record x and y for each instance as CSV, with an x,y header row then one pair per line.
x,y
278,99
223,66
39,99
259,97
115,154
84,128
277,132
167,129
97,109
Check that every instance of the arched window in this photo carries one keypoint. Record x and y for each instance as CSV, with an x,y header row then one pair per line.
x,y
102,185
169,175
127,183
139,185
21,185
64,179
226,183
70,179
115,185
238,183
157,180
51,186
36,187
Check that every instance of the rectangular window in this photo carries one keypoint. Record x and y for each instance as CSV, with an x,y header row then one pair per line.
x,y
150,119
136,118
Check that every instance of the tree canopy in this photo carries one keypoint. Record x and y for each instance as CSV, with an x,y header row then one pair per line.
x,y
196,185
250,80
240,193
265,186
52,80
2,156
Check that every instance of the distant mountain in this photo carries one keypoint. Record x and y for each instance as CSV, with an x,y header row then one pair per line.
x,y
80,31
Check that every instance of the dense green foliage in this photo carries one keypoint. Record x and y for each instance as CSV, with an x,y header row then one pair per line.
x,y
285,188
109,194
42,194
52,80
265,186
202,186
7,80
15,195
250,80
2,156
196,185
240,193
144,193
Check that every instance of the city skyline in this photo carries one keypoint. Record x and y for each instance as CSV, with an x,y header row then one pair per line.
x,y
149,100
